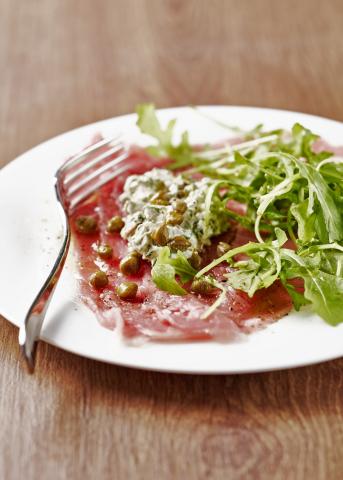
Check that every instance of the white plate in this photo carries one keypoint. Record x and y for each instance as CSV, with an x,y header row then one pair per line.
x,y
31,234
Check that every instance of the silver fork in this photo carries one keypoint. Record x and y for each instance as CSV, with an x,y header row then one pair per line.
x,y
75,180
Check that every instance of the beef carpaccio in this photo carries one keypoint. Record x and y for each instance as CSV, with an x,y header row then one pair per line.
x,y
153,313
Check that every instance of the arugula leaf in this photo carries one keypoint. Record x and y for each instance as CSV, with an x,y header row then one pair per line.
x,y
332,170
325,293
149,124
260,271
281,189
298,298
302,145
251,275
332,216
281,237
332,261
322,272
302,141
286,186
163,275
320,266
181,265
166,268
306,221
262,268
182,154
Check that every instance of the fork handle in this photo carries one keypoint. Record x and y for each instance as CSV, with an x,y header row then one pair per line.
x,y
30,331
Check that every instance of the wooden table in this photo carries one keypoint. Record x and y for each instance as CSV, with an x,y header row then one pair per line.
x,y
65,63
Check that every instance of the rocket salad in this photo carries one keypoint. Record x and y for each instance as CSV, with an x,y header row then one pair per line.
x,y
291,197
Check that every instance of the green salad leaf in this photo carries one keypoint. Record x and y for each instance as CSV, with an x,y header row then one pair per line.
x,y
320,268
322,272
149,124
302,145
167,267
306,221
260,270
325,292
291,191
331,215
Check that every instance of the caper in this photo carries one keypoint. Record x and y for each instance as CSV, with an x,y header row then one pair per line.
x,y
174,218
160,235
202,287
104,251
127,290
222,248
98,279
159,198
180,206
195,260
182,193
115,224
130,264
179,243
86,224
160,186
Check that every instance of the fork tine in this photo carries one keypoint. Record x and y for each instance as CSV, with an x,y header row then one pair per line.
x,y
72,176
81,183
94,186
92,148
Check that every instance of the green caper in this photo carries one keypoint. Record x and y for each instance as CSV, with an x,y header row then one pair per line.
x,y
115,224
130,264
160,235
160,198
160,186
98,279
127,290
182,193
222,248
179,243
202,287
180,206
195,260
104,251
174,218
86,224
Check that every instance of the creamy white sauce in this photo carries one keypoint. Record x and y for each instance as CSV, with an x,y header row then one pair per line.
x,y
143,217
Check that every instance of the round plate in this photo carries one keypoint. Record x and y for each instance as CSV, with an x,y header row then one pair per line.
x,y
31,236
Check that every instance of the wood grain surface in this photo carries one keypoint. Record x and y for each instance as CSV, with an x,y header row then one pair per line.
x,y
65,63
